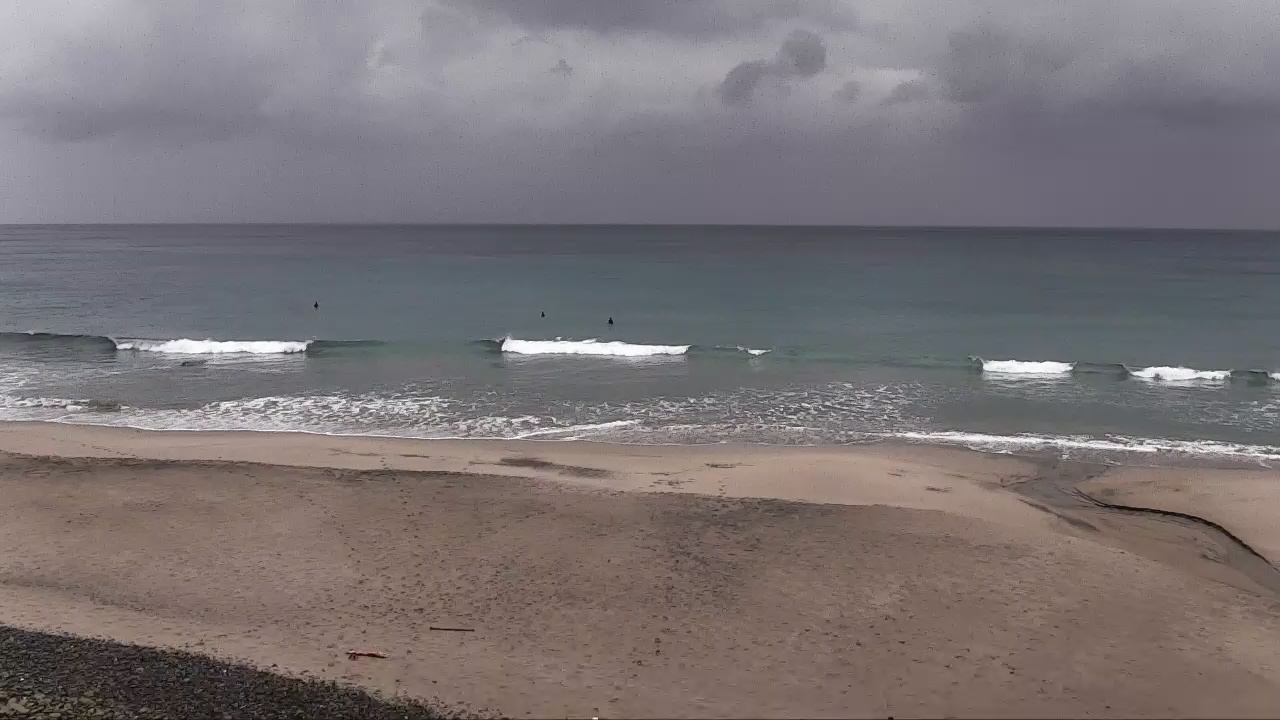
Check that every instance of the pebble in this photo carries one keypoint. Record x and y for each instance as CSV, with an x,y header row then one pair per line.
x,y
57,677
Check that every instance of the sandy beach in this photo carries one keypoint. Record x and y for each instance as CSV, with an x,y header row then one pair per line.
x,y
606,580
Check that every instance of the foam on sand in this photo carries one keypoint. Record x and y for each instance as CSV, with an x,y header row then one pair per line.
x,y
1112,443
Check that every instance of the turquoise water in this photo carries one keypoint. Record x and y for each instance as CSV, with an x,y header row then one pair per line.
x,y
750,334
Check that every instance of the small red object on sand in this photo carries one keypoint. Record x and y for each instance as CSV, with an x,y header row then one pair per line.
x,y
353,654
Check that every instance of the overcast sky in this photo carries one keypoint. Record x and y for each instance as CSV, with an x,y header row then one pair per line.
x,y
1064,112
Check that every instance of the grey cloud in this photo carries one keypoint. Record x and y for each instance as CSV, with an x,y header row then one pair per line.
x,y
987,61
908,92
683,18
849,92
1029,77
217,115
740,83
150,85
1174,99
802,55
1086,112
172,73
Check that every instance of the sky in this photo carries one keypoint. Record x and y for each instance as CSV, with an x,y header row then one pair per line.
x,y
885,112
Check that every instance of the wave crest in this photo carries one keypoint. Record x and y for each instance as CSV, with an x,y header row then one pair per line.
x,y
1163,373
615,348
215,347
1039,368
1154,373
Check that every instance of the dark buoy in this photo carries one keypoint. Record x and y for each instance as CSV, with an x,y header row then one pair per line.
x,y
316,305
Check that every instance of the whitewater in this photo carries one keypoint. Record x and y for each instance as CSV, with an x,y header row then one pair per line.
x,y
615,348
1155,373
214,347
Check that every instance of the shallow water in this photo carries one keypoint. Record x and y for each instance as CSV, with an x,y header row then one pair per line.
x,y
776,335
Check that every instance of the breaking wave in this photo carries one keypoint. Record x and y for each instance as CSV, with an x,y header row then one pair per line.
x,y
61,346
1023,367
61,343
1163,373
615,348
1154,373
215,347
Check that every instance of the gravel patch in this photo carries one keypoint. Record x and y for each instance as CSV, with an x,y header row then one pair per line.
x,y
60,677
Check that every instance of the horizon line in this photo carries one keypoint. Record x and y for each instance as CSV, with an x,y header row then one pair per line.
x,y
815,226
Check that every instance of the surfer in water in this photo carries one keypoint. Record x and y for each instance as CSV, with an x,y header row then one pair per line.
x,y
316,305
610,322
544,313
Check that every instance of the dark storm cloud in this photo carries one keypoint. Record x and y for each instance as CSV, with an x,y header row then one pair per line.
x,y
740,82
689,18
1028,112
802,55
985,61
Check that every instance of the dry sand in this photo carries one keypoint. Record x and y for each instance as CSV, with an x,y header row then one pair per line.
x,y
622,581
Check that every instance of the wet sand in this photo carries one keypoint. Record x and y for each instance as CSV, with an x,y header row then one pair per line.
x,y
599,580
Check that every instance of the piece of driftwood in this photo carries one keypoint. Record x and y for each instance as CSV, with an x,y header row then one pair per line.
x,y
449,629
353,654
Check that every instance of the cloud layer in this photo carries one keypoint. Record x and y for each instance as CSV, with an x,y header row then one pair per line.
x,y
804,111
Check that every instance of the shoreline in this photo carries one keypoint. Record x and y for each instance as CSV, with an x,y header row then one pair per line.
x,y
606,580
1166,452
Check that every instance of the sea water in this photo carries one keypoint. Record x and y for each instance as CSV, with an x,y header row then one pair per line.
x,y
1078,341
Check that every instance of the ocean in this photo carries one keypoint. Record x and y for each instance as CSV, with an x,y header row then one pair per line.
x,y
1094,343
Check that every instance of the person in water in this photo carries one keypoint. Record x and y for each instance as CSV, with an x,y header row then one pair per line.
x,y
316,305
610,322
544,313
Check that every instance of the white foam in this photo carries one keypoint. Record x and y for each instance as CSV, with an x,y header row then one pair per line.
x,y
615,348
1024,367
35,404
575,432
752,351
1181,374
1275,376
1111,443
215,347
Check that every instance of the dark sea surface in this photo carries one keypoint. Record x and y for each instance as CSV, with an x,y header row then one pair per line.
x,y
1124,341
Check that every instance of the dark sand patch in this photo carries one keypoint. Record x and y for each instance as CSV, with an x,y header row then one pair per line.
x,y
540,464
